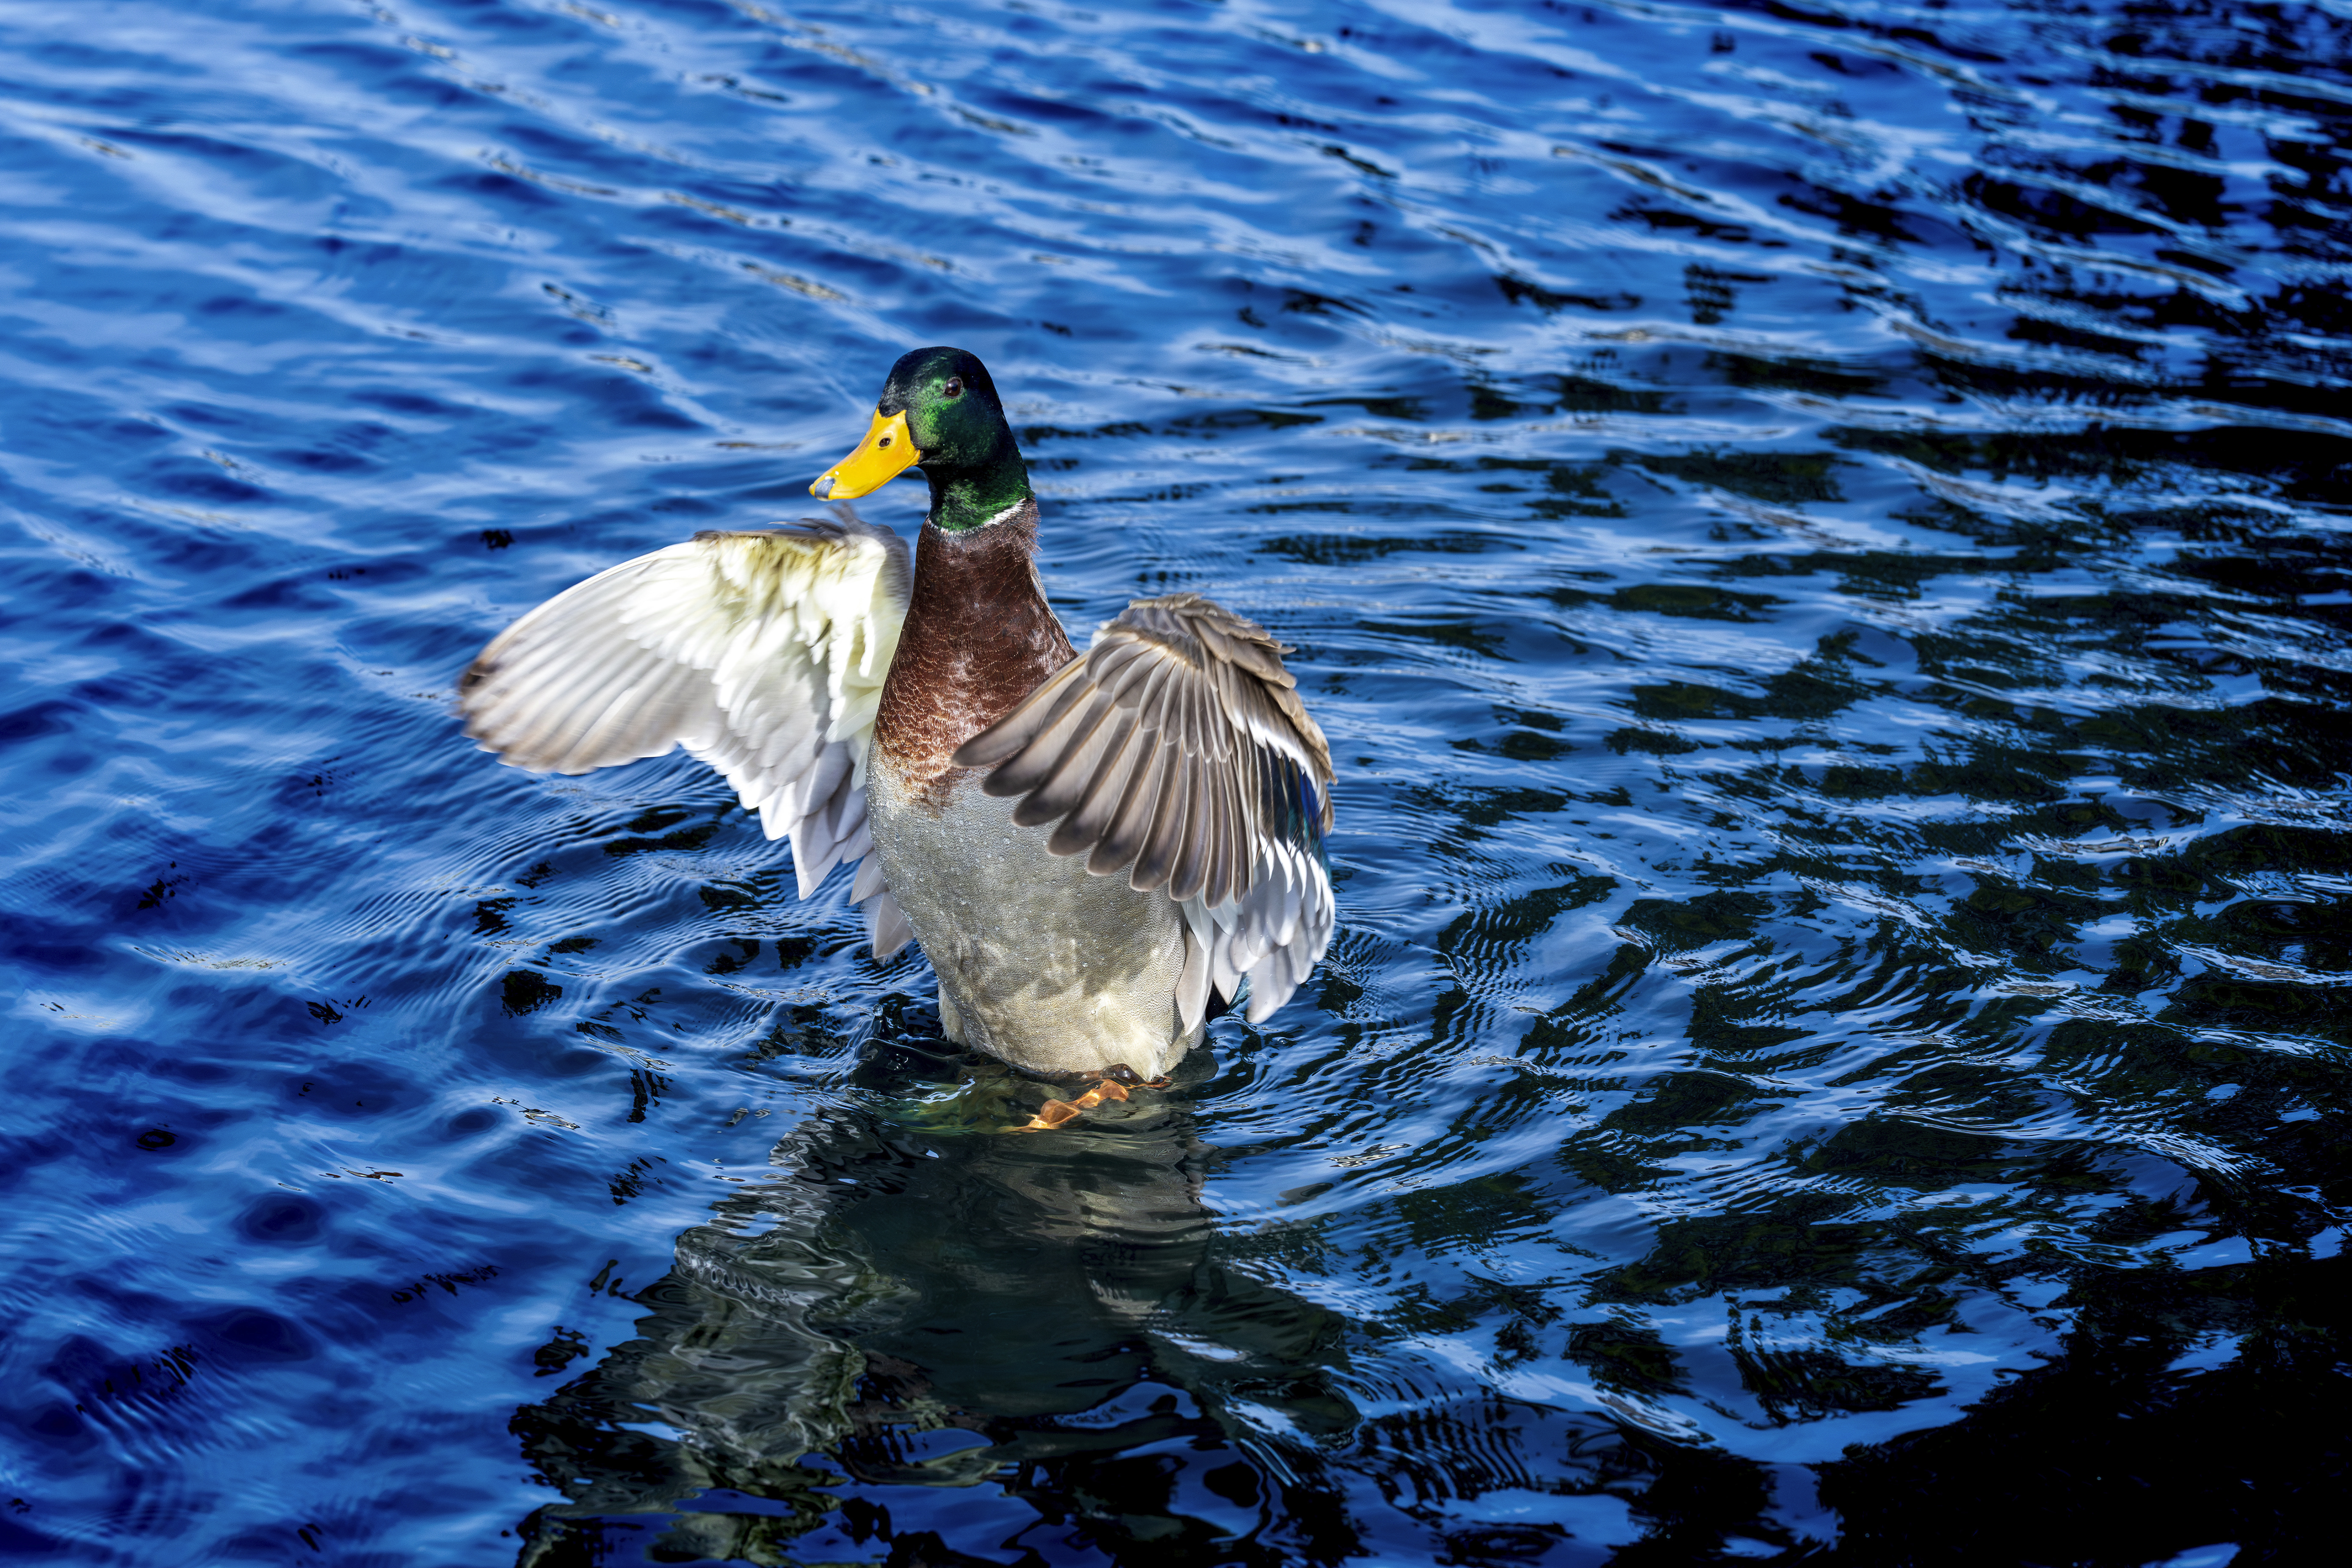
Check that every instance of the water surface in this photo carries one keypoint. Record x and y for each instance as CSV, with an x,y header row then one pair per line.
x,y
1817,534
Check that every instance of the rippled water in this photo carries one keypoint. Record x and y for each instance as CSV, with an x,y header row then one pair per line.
x,y
1818,533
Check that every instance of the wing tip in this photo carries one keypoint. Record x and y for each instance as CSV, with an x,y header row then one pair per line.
x,y
886,931
974,753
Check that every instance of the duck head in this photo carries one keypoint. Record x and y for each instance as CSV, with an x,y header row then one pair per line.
x,y
938,411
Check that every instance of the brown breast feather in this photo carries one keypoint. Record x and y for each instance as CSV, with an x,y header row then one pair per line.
x,y
978,639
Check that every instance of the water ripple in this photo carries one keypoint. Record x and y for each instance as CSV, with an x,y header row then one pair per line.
x,y
1817,534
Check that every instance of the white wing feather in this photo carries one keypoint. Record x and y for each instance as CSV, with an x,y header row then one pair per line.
x,y
763,653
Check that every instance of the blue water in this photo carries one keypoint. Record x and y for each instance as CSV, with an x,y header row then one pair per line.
x,y
1820,535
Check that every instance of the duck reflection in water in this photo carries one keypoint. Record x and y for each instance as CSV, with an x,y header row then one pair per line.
x,y
924,1296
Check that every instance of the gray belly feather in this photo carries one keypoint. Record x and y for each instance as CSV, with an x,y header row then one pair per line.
x,y
1040,962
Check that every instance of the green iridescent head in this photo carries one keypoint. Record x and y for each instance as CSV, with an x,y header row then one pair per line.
x,y
939,411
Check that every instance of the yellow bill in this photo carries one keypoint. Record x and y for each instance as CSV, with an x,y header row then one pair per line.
x,y
886,452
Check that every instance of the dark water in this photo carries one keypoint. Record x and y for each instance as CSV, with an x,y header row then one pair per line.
x,y
1819,535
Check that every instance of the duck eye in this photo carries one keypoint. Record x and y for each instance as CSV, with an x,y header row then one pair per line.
x,y
955,387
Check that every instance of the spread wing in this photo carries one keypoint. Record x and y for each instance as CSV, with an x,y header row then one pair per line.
x,y
763,653
1177,750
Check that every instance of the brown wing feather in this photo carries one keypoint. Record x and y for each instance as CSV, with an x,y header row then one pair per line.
x,y
1155,863
1122,837
1168,751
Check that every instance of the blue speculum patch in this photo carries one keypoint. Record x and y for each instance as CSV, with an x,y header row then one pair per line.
x,y
1817,534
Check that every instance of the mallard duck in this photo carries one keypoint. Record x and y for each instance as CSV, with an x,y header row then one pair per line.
x,y
1097,853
